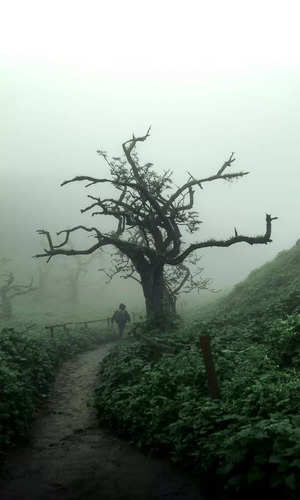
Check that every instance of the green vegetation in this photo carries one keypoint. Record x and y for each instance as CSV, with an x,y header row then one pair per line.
x,y
273,290
28,364
250,438
153,388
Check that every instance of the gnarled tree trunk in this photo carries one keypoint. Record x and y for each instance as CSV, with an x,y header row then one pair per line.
x,y
153,288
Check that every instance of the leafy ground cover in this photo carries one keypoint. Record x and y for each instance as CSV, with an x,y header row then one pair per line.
x,y
28,364
250,437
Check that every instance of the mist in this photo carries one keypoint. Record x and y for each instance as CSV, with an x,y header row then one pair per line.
x,y
72,84
114,383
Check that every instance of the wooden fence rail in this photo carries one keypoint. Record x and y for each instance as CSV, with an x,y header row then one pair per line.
x,y
65,325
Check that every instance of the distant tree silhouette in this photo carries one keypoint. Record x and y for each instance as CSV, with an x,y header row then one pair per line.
x,y
149,220
74,274
44,272
8,291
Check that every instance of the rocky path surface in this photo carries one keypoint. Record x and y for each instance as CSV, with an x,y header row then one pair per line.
x,y
70,458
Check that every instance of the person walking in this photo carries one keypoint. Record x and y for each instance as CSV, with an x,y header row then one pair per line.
x,y
121,317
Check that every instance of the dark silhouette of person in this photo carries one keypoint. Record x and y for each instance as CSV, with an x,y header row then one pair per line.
x,y
121,317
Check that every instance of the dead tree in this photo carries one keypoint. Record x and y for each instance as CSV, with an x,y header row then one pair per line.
x,y
183,278
76,272
8,292
4,261
44,272
73,278
43,281
143,206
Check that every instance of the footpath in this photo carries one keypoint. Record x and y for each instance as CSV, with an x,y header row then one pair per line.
x,y
71,458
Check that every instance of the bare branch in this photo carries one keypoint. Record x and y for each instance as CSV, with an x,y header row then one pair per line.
x,y
145,193
56,249
126,247
132,142
217,176
226,164
10,290
186,276
251,240
94,180
22,289
10,279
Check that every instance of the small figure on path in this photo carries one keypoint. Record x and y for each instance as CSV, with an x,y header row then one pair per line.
x,y
121,317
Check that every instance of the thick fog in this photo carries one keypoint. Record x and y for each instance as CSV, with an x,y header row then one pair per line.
x,y
209,77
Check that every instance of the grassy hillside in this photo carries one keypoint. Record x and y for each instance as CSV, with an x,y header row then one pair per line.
x,y
246,443
273,289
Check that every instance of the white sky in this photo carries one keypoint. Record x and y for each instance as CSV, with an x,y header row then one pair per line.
x,y
142,36
210,76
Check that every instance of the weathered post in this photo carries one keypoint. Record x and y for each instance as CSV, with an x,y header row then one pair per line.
x,y
51,328
213,387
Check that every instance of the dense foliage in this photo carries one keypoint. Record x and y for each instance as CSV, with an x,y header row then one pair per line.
x,y
28,364
250,437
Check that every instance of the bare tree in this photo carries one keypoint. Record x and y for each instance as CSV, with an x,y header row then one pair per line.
x,y
8,291
75,273
149,220
183,278
44,272
4,261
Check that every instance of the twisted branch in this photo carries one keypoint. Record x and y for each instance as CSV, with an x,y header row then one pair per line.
x,y
251,240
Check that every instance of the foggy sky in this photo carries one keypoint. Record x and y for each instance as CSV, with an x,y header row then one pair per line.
x,y
208,79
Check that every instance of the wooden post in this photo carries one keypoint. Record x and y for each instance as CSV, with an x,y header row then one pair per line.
x,y
213,387
51,328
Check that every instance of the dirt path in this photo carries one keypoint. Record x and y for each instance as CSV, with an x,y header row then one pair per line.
x,y
70,458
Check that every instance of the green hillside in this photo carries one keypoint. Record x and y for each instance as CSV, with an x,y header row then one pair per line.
x,y
273,288
245,440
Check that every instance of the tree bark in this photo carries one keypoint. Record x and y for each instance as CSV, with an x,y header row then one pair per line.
x,y
153,288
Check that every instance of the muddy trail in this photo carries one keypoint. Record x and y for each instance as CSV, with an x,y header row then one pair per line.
x,y
71,458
